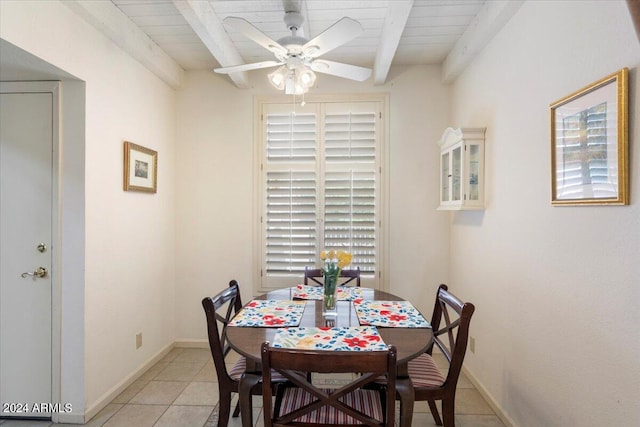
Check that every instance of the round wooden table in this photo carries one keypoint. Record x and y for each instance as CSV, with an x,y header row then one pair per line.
x,y
409,342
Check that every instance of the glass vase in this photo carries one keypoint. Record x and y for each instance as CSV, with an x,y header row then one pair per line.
x,y
329,308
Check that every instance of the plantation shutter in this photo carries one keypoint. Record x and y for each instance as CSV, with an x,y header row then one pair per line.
x,y
290,186
320,187
350,183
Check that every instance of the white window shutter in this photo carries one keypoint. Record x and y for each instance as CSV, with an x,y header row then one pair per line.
x,y
290,221
290,190
350,137
350,216
320,187
291,137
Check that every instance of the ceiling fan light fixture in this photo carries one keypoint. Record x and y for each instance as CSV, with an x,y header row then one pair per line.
x,y
305,76
294,81
278,77
292,88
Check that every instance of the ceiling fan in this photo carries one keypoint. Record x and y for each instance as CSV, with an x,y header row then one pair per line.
x,y
297,56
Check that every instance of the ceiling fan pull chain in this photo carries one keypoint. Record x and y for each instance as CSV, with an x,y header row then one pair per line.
x,y
293,104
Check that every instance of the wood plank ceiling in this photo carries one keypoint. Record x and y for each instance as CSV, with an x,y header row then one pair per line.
x,y
403,32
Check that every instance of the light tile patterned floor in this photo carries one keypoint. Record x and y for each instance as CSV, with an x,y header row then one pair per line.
x,y
181,391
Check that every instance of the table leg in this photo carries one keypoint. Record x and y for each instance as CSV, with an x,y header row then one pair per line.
x,y
248,381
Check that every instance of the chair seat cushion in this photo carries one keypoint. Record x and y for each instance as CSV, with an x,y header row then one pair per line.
x,y
366,401
239,367
424,373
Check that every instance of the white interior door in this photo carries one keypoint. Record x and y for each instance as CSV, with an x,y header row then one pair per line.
x,y
26,136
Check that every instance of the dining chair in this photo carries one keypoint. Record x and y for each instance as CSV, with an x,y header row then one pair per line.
x,y
219,310
450,322
346,276
301,403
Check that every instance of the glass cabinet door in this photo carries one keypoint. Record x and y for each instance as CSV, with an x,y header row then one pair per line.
x,y
456,170
474,171
445,178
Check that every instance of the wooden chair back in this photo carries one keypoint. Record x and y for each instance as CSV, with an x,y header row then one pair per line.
x,y
293,364
219,310
450,322
313,276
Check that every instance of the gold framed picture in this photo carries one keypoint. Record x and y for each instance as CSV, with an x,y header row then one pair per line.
x,y
589,144
140,168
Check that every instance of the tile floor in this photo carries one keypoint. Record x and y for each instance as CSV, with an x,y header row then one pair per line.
x,y
181,391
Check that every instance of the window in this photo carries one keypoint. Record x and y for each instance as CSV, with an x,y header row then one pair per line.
x,y
320,187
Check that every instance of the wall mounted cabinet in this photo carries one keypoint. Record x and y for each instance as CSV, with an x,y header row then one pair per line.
x,y
462,169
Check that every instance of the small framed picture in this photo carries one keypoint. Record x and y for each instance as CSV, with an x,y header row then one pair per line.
x,y
140,168
589,144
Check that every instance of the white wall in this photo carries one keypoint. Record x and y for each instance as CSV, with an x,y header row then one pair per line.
x,y
129,252
548,349
556,288
215,186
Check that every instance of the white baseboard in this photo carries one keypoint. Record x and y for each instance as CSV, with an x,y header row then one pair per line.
x,y
506,420
191,344
70,418
106,398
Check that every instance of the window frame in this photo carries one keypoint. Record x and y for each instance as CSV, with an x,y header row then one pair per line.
x,y
260,102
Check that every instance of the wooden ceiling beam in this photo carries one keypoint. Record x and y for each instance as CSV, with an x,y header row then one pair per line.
x,y
392,30
206,24
112,22
487,23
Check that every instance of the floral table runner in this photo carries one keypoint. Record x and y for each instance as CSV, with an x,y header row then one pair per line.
x,y
344,293
393,314
268,313
353,338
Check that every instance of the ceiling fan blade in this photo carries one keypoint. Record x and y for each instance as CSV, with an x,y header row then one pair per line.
x,y
247,67
338,34
339,69
250,31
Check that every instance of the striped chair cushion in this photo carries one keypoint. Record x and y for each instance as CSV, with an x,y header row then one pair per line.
x,y
366,401
424,372
239,367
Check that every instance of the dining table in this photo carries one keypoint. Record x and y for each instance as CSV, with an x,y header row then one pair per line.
x,y
411,337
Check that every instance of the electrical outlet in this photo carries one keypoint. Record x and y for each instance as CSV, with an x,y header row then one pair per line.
x,y
138,340
472,344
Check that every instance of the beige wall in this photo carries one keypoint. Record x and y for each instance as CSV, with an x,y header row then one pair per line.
x,y
556,288
539,275
129,250
215,179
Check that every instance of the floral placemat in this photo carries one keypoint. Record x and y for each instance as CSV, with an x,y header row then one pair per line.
x,y
344,293
391,314
269,313
351,338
